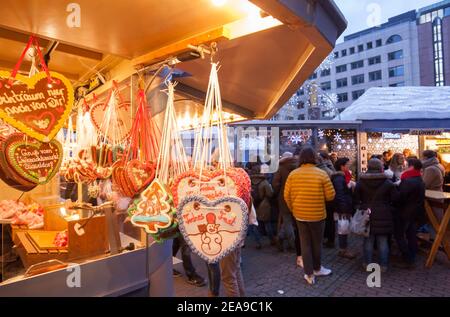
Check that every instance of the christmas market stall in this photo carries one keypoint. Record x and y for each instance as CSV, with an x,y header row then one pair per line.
x,y
96,180
399,118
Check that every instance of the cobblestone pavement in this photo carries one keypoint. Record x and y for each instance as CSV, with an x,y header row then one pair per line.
x,y
270,273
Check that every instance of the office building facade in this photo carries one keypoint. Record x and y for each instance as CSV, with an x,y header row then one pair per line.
x,y
411,49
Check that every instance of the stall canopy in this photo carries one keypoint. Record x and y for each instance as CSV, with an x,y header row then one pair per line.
x,y
267,48
401,109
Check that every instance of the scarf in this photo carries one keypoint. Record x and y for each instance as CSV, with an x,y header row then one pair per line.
x,y
410,173
348,177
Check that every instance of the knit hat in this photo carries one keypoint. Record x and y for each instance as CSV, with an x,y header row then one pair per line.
x,y
375,165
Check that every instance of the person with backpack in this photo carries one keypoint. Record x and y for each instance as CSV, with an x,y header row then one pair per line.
x,y
262,192
287,164
377,194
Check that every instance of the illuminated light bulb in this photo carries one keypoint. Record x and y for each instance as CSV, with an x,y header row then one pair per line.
x,y
348,147
219,3
339,147
49,85
370,140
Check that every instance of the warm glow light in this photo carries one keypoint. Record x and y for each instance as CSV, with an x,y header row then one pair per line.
x,y
252,23
219,3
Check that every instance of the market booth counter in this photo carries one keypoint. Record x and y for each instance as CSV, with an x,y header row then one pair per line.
x,y
277,43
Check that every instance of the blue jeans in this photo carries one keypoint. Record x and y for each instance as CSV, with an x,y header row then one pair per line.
x,y
213,278
383,249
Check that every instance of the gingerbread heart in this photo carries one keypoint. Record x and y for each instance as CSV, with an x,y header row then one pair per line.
x,y
212,229
139,174
213,185
120,121
35,161
120,180
10,178
34,106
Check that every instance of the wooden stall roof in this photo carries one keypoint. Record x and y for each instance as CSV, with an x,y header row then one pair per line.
x,y
260,69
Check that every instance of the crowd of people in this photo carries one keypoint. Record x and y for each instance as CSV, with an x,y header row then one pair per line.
x,y
315,196
312,198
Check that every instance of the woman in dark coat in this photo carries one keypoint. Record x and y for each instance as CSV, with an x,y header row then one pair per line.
x,y
343,204
376,192
411,209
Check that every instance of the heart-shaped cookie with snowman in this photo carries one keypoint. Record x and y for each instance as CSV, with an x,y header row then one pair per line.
x,y
213,229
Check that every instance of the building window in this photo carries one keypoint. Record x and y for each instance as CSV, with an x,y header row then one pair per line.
x,y
326,85
375,60
301,117
341,83
395,55
341,68
360,48
447,12
439,79
400,84
394,39
358,93
325,72
369,45
358,64
358,79
379,43
336,54
344,53
342,97
396,71
374,76
352,50
313,76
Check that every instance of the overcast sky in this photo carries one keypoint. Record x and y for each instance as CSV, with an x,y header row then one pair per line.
x,y
362,14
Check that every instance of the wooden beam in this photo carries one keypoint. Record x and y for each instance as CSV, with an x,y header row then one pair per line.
x,y
25,68
200,96
64,48
162,53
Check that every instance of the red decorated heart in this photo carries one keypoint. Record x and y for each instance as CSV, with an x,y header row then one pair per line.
x,y
120,122
213,185
34,161
139,174
34,106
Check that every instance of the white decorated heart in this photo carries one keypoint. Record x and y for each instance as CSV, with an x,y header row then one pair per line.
x,y
213,185
213,229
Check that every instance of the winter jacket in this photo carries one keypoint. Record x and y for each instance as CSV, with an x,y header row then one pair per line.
x,y
306,191
324,167
411,197
286,166
377,192
433,174
265,192
342,203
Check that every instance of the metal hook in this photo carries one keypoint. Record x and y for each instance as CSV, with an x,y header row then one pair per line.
x,y
213,50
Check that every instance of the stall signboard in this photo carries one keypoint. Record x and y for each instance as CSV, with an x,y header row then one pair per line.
x,y
393,136
213,228
443,142
37,106
426,132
